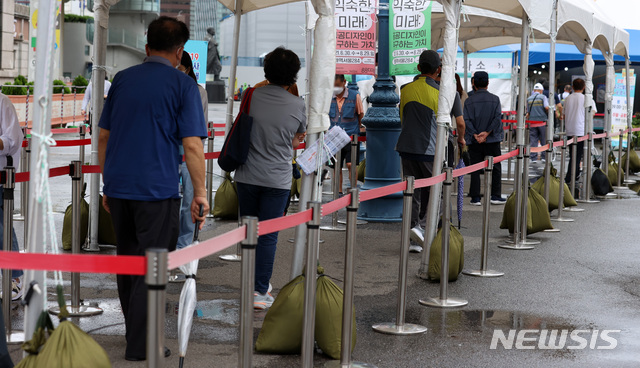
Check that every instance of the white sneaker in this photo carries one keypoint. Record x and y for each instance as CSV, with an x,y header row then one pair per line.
x,y
16,289
417,234
262,301
414,248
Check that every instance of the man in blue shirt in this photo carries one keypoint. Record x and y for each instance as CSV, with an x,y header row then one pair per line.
x,y
151,109
483,120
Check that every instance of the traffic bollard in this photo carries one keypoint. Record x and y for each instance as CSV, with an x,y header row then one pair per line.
x,y
8,182
444,301
156,279
486,210
353,172
309,317
572,185
77,308
336,188
210,149
347,300
400,327
514,241
586,196
620,162
563,157
247,280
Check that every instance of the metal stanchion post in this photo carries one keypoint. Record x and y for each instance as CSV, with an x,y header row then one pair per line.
x,y
247,280
8,182
587,177
572,186
83,132
210,149
563,157
78,309
309,319
525,199
626,170
347,301
353,172
23,196
547,170
444,301
400,327
24,193
337,188
156,280
510,148
486,210
519,181
620,162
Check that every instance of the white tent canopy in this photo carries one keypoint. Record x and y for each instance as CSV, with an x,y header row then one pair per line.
x,y
251,5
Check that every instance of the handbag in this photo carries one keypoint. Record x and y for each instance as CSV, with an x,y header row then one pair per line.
x,y
236,145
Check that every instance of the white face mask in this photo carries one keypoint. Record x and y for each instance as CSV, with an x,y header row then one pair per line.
x,y
337,90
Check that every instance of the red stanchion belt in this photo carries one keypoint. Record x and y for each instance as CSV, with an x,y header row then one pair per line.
x,y
370,194
540,149
91,169
206,248
469,169
61,131
72,143
421,183
506,156
333,206
598,136
83,263
285,222
583,138
211,155
53,172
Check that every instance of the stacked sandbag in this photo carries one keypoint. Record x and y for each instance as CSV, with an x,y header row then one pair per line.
x,y
456,255
554,191
538,218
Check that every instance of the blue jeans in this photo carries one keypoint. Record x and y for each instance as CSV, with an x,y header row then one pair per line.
x,y
538,134
187,227
265,203
14,242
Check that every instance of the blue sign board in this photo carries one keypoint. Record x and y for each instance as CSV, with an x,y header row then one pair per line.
x,y
198,52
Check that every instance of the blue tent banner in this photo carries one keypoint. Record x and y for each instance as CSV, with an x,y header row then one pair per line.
x,y
197,50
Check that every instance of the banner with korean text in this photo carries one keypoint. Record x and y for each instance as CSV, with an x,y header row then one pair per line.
x,y
619,104
409,35
355,36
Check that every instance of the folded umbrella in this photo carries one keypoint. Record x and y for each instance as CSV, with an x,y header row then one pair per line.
x,y
460,191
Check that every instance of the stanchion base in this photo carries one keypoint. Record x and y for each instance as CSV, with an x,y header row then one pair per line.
x,y
588,201
610,195
629,181
444,303
81,311
18,218
292,240
391,328
573,209
358,222
333,228
517,246
522,242
554,230
337,364
483,273
231,258
614,188
15,337
562,219
89,248
209,216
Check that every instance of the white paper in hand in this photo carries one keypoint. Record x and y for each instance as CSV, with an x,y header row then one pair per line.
x,y
334,140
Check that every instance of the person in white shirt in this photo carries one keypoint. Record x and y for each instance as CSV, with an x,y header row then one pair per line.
x,y
566,93
86,101
11,138
574,117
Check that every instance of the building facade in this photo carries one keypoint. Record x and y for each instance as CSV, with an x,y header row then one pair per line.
x,y
14,43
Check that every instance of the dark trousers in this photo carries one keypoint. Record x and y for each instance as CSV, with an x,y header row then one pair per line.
x,y
264,203
419,170
477,153
141,225
579,153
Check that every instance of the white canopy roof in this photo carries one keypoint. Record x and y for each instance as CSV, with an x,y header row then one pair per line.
x,y
250,5
539,11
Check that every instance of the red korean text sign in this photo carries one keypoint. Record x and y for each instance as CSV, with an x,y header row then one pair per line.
x,y
355,36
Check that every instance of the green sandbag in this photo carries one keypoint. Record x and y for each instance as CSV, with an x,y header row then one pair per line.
x,y
225,203
635,187
68,219
634,163
281,331
612,173
106,232
69,346
554,184
362,169
43,327
456,255
328,331
538,218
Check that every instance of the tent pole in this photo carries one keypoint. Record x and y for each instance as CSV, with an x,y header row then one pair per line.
x,y
588,99
629,115
234,64
451,9
306,186
465,55
101,14
552,101
609,85
41,127
514,82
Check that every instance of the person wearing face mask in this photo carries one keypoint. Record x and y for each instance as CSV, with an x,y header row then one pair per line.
x,y
152,108
346,112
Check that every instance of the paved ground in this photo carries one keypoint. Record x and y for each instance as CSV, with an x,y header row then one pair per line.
x,y
584,277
